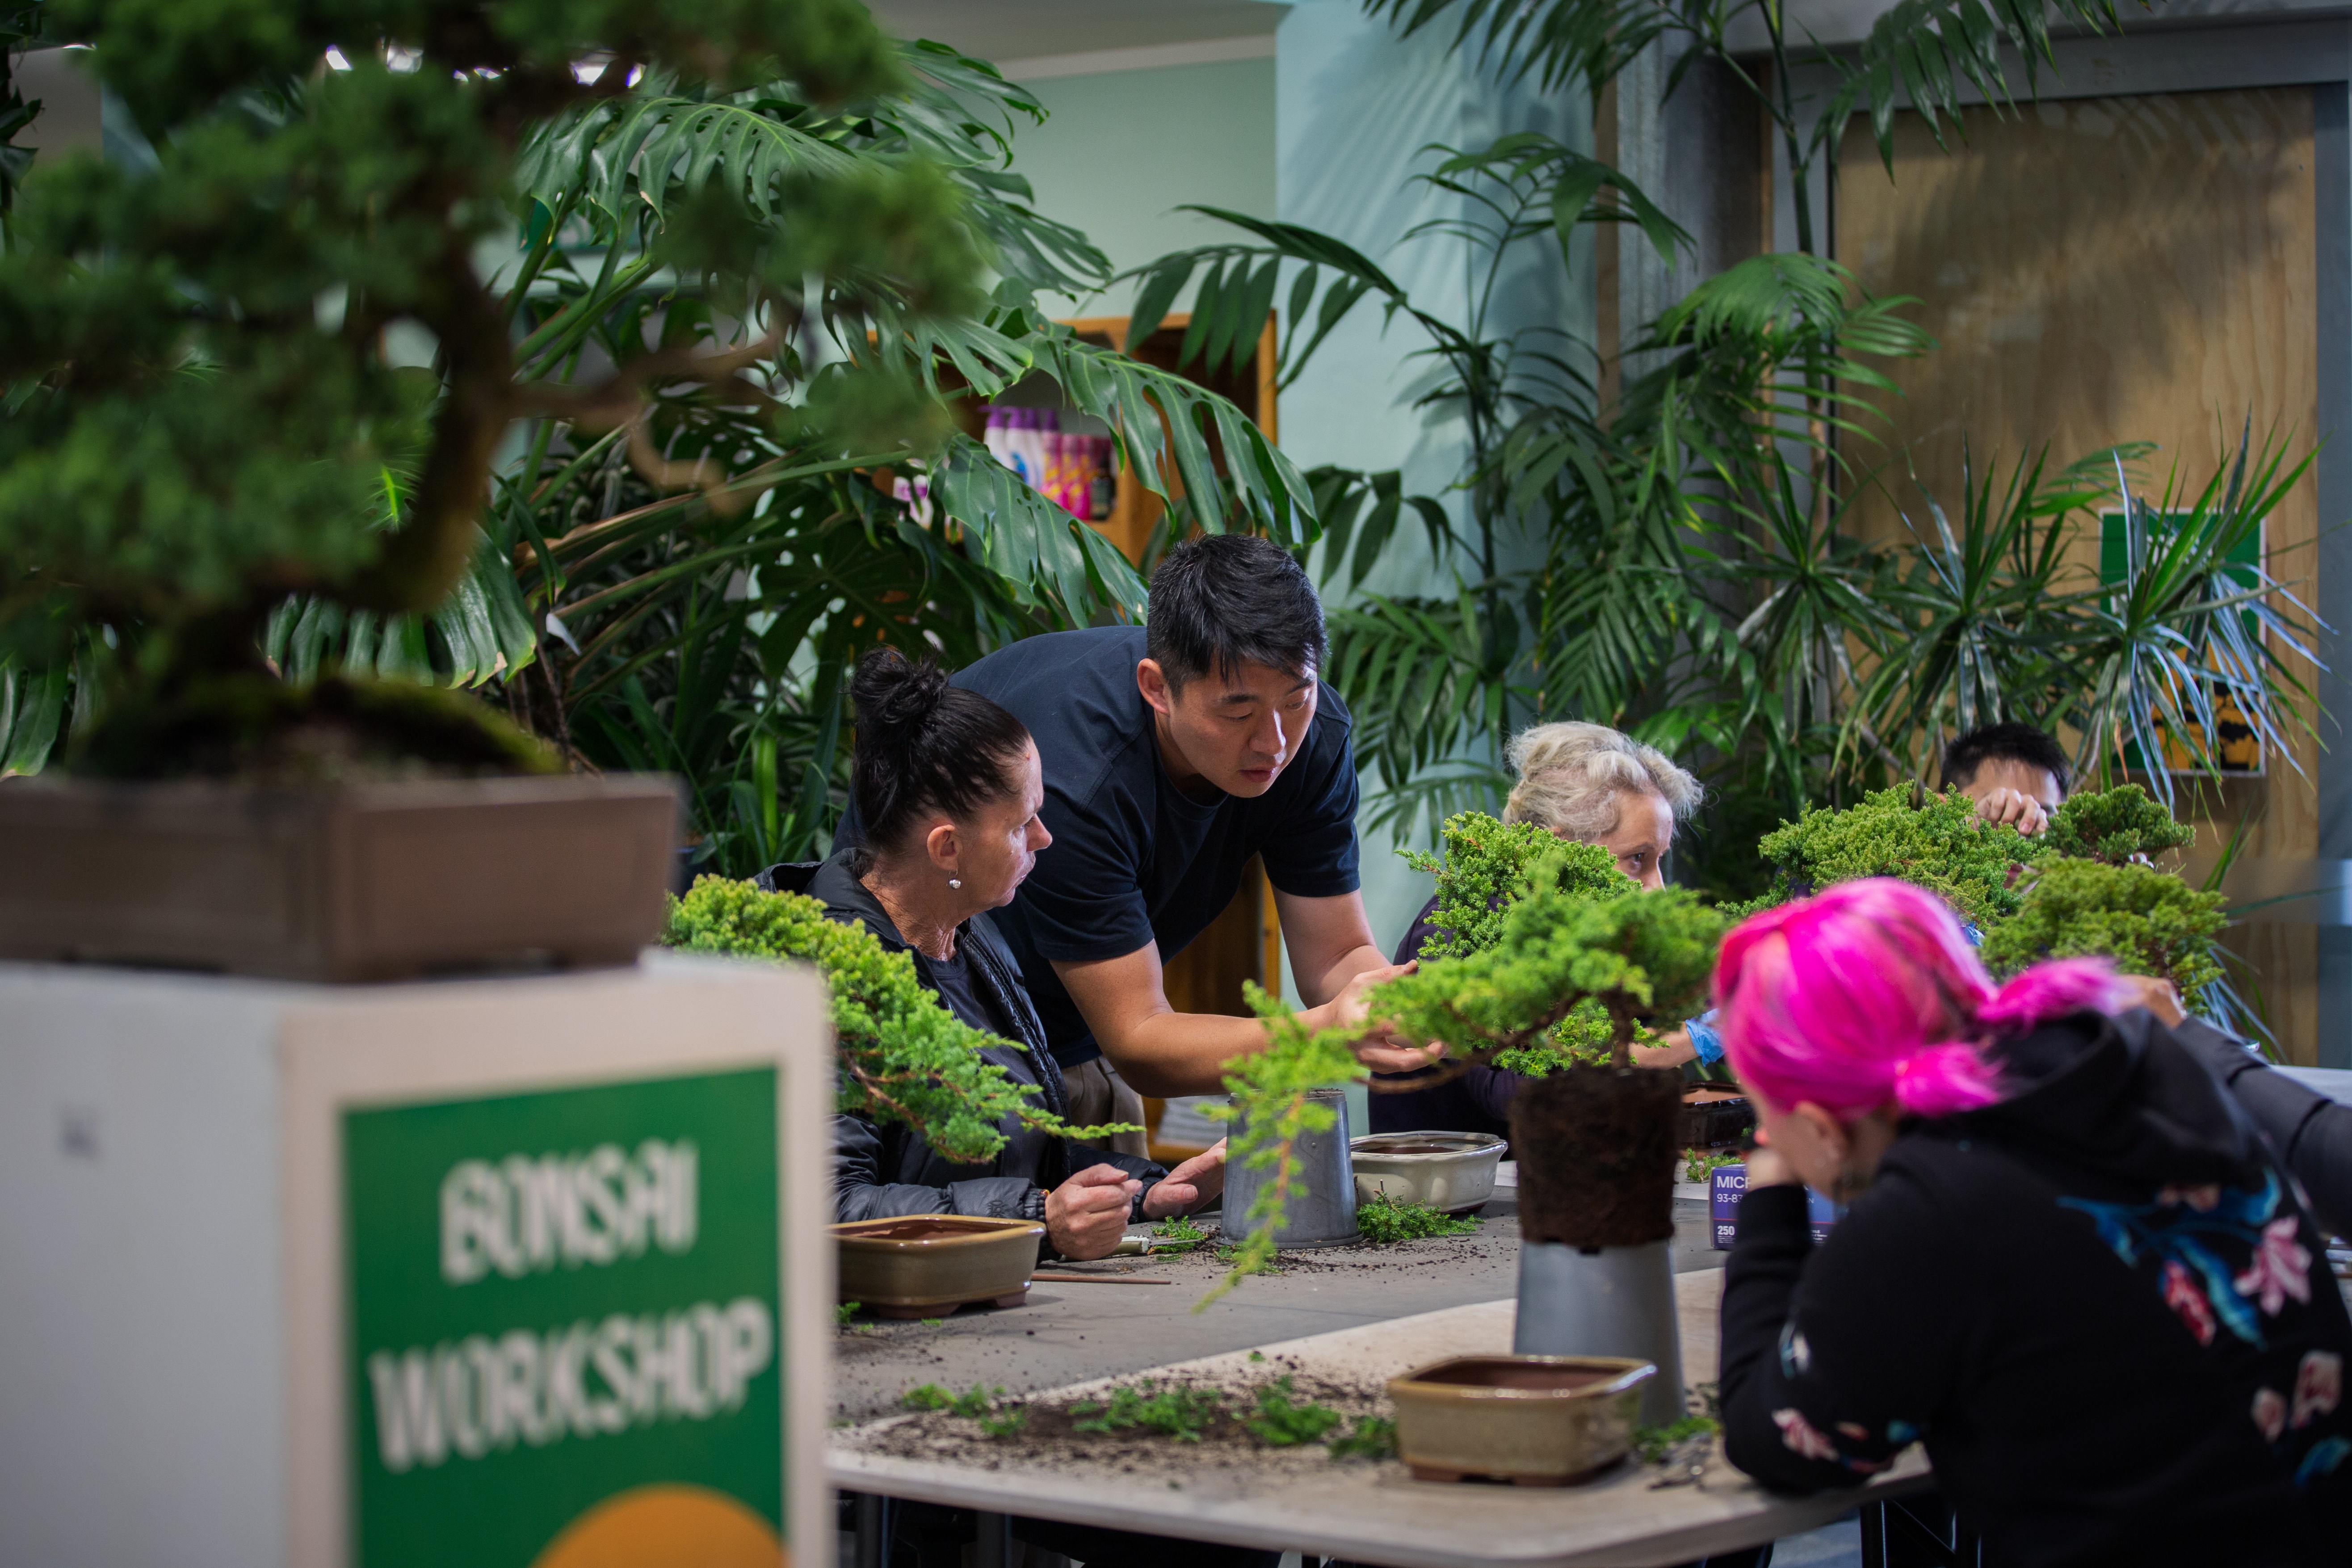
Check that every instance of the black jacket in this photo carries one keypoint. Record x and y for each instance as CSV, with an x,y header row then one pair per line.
x,y
883,1168
2097,1302
2311,1134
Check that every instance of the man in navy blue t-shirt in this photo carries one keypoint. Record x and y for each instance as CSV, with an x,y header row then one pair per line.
x,y
1172,753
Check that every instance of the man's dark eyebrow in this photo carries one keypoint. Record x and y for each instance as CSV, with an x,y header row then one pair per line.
x,y
1301,684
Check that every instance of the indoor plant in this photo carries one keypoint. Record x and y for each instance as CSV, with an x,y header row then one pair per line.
x,y
267,363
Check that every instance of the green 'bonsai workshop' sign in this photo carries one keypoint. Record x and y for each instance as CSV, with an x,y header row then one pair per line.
x,y
564,1322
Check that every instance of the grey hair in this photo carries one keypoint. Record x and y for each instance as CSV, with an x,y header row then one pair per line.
x,y
1570,775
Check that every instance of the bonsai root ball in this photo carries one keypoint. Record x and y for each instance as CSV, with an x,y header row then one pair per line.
x,y
1596,1147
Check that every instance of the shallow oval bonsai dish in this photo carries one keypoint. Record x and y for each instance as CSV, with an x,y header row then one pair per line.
x,y
1531,1420
927,1265
1454,1172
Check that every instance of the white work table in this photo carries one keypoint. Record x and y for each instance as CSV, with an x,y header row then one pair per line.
x,y
1375,1512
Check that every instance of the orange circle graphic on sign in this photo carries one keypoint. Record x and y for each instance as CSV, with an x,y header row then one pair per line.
x,y
666,1526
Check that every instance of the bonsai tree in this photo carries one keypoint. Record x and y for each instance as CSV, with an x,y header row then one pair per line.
x,y
203,409
904,1057
2148,921
1934,841
2086,888
1572,966
2116,825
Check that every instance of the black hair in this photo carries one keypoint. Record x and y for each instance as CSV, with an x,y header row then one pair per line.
x,y
923,745
1224,600
2004,743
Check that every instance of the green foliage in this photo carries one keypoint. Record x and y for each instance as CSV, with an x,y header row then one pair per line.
x,y
1385,1220
1005,1422
1180,1234
1372,1437
1643,955
1284,1421
844,1311
2148,921
975,1404
1483,865
1700,1161
1653,1445
1177,1410
2116,825
1934,841
904,1057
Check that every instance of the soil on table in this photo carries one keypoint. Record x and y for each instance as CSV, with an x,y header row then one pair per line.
x,y
1596,1147
1049,1434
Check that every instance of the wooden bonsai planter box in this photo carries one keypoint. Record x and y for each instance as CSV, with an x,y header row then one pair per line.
x,y
361,882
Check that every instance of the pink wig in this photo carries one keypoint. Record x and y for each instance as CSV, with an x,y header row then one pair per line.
x,y
1868,994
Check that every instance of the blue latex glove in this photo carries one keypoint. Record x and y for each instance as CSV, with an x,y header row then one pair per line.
x,y
1704,1037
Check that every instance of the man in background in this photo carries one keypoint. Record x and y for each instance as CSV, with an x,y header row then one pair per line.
x,y
2015,773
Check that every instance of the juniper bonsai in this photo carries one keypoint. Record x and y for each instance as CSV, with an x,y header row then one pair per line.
x,y
2148,921
1934,841
904,1057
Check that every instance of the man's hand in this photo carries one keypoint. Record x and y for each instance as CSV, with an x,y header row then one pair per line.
x,y
1188,1185
1086,1215
2020,810
1379,1048
2157,996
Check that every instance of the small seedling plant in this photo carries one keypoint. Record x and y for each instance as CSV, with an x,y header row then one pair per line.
x,y
1385,1220
1285,1421
1178,1234
1183,1413
975,1404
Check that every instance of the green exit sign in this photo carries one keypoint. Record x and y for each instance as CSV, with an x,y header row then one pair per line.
x,y
564,1325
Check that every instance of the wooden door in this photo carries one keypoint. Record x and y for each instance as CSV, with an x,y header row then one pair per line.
x,y
2103,270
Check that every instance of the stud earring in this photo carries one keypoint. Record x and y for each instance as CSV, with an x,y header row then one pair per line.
x,y
955,882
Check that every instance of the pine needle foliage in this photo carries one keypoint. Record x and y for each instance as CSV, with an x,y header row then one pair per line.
x,y
2148,921
1934,841
904,1057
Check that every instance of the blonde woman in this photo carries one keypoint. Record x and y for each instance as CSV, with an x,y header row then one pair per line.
x,y
1590,784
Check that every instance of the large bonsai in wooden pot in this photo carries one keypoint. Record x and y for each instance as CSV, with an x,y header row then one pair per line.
x,y
273,366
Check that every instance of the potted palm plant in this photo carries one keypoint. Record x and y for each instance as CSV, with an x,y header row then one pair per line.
x,y
266,374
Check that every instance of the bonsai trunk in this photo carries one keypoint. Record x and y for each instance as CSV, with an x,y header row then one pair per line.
x,y
1595,1147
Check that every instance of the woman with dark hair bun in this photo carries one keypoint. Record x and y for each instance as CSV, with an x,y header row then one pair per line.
x,y
947,786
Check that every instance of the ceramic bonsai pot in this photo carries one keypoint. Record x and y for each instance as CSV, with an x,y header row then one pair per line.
x,y
1449,1171
356,882
927,1265
1533,1420
1322,1207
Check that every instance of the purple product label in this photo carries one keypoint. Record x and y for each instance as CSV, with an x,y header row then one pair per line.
x,y
1727,1184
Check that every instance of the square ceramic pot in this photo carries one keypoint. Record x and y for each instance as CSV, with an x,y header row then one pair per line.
x,y
926,1266
1534,1420
355,882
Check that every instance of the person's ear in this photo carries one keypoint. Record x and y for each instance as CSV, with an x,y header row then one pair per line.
x,y
1828,1134
1153,682
943,846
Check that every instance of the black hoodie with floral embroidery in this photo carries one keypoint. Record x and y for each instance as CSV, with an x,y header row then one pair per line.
x,y
2099,1303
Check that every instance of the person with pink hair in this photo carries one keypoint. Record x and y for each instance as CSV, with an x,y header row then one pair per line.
x,y
2071,1266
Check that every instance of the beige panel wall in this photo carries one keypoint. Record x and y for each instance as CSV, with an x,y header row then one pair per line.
x,y
2098,271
